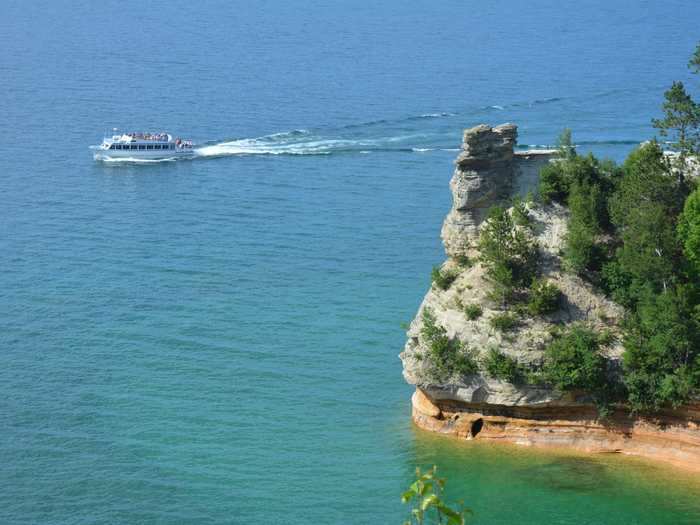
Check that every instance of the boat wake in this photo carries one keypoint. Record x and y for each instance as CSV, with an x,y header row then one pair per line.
x,y
436,131
303,142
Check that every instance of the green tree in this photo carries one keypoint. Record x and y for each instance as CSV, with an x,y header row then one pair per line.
x,y
573,361
558,177
565,145
507,252
447,356
543,298
689,229
553,180
694,62
681,124
501,366
587,206
644,210
662,349
428,505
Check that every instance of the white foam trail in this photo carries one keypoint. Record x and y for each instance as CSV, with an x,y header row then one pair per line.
x,y
261,147
283,144
436,115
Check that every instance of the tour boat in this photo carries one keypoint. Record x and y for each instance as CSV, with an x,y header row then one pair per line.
x,y
142,146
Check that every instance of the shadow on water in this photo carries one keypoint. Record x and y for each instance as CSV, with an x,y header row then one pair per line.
x,y
575,474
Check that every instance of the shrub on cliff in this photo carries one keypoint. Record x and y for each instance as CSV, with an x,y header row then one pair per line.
x,y
504,322
573,361
662,349
447,356
557,178
689,231
443,279
543,298
581,252
500,366
507,252
521,216
644,210
473,311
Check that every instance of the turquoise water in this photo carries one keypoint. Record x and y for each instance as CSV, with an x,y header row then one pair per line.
x,y
216,340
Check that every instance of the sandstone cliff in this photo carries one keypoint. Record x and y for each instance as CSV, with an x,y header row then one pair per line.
x,y
489,172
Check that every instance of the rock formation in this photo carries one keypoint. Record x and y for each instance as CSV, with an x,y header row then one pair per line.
x,y
488,172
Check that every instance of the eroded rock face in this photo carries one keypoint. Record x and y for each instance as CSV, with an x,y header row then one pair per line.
x,y
526,343
483,177
672,436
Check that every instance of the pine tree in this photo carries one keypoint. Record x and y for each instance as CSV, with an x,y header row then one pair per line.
x,y
681,123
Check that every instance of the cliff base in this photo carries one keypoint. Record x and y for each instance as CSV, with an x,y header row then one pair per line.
x,y
671,437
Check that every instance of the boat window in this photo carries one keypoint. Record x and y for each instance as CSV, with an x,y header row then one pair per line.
x,y
133,146
142,146
150,146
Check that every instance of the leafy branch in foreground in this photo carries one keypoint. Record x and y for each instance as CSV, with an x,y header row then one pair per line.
x,y
425,496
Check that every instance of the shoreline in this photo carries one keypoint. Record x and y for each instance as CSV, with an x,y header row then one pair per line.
x,y
671,438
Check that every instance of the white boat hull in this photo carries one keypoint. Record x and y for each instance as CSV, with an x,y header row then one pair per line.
x,y
136,155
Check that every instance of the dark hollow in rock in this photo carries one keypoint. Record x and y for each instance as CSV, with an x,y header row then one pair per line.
x,y
477,425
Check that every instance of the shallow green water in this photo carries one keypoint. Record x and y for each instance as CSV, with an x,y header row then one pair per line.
x,y
506,484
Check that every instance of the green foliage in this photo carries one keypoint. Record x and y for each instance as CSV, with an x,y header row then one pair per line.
x,y
443,279
501,366
464,261
427,504
503,322
507,252
553,185
581,252
681,122
689,229
694,62
662,349
521,217
644,210
543,298
448,357
565,145
618,284
573,361
558,177
473,311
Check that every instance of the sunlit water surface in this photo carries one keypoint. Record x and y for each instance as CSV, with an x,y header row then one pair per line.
x,y
216,340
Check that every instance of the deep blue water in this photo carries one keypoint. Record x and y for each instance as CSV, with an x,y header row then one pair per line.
x,y
216,340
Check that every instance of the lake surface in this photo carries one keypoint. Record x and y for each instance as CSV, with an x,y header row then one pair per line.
x,y
216,340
